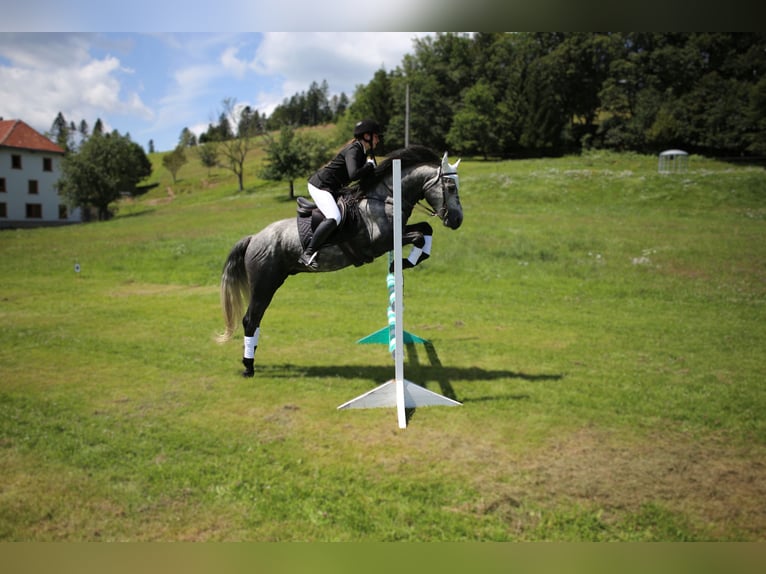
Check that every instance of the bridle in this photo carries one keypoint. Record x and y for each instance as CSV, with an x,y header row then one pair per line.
x,y
427,209
438,178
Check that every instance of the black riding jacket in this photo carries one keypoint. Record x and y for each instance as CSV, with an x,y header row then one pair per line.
x,y
349,165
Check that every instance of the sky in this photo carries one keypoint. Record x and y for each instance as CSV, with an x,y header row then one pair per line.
x,y
154,84
142,80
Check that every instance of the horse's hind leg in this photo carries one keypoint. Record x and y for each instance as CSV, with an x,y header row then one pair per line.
x,y
251,343
260,297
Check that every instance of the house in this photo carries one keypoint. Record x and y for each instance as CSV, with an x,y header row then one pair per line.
x,y
30,166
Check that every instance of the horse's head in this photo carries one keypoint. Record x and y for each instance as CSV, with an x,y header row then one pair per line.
x,y
441,193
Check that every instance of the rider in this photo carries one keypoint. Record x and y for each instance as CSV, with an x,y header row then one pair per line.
x,y
355,161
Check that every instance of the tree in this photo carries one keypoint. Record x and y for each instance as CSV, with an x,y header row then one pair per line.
x,y
338,105
545,118
293,155
317,104
474,126
174,161
756,133
249,121
218,132
232,148
98,127
187,138
208,155
60,132
84,129
374,100
438,73
104,167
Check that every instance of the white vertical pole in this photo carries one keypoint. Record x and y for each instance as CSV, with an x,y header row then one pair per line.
x,y
398,296
398,391
407,117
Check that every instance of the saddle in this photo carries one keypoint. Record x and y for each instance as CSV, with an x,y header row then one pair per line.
x,y
307,208
309,216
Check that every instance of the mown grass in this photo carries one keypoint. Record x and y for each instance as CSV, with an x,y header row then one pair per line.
x,y
601,323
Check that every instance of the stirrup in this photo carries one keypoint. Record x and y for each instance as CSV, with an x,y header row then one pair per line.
x,y
309,260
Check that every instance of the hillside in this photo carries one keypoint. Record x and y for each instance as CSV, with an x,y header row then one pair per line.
x,y
601,323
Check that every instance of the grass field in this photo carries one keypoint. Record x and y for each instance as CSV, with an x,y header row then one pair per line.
x,y
602,324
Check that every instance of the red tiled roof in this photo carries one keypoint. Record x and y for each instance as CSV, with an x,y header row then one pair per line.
x,y
15,133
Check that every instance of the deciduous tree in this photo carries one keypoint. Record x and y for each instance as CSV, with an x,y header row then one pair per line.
x,y
293,155
104,167
174,161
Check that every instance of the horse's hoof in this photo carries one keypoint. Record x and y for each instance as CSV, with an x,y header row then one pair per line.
x,y
406,264
249,367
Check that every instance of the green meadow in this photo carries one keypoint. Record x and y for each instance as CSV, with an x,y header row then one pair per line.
x,y
602,325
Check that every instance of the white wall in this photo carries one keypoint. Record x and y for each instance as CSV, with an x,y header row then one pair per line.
x,y
17,196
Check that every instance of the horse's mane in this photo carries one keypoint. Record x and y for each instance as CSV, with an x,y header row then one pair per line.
x,y
413,155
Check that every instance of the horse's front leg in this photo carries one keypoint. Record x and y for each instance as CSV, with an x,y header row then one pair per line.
x,y
420,236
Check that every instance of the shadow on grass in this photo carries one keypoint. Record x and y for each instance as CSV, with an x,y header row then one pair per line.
x,y
416,372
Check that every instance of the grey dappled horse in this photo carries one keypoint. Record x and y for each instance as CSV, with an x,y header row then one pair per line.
x,y
259,264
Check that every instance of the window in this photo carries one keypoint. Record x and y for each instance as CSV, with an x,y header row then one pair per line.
x,y
33,187
15,161
2,185
47,164
34,211
63,212
3,210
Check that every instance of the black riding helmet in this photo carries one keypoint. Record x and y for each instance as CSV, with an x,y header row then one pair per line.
x,y
368,127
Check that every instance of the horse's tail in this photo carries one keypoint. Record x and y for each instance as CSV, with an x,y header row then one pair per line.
x,y
234,288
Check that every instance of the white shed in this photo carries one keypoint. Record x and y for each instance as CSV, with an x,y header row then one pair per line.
x,y
673,161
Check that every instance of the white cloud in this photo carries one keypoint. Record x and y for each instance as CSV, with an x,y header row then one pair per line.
x,y
44,74
154,85
344,59
232,64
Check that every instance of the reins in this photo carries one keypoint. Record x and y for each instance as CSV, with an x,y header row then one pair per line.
x,y
427,209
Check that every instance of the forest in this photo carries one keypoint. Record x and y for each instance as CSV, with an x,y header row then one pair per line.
x,y
503,95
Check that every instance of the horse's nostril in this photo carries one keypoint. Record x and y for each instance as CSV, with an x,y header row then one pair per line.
x,y
454,221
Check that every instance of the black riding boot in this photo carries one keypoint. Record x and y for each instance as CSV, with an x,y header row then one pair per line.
x,y
322,232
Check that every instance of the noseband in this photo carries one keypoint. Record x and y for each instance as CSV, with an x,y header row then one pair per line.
x,y
438,178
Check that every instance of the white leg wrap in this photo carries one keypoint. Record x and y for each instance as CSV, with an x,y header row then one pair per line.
x,y
417,254
414,255
251,343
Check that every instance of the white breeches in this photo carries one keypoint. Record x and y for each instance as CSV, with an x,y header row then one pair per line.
x,y
325,202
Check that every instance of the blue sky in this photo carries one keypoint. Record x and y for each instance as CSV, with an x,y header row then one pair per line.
x,y
153,84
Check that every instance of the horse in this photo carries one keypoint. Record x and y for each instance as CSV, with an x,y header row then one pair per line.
x,y
259,264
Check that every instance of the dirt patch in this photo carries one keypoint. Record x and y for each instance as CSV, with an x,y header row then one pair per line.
x,y
721,489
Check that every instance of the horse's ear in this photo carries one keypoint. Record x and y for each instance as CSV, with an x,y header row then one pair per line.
x,y
445,163
447,167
